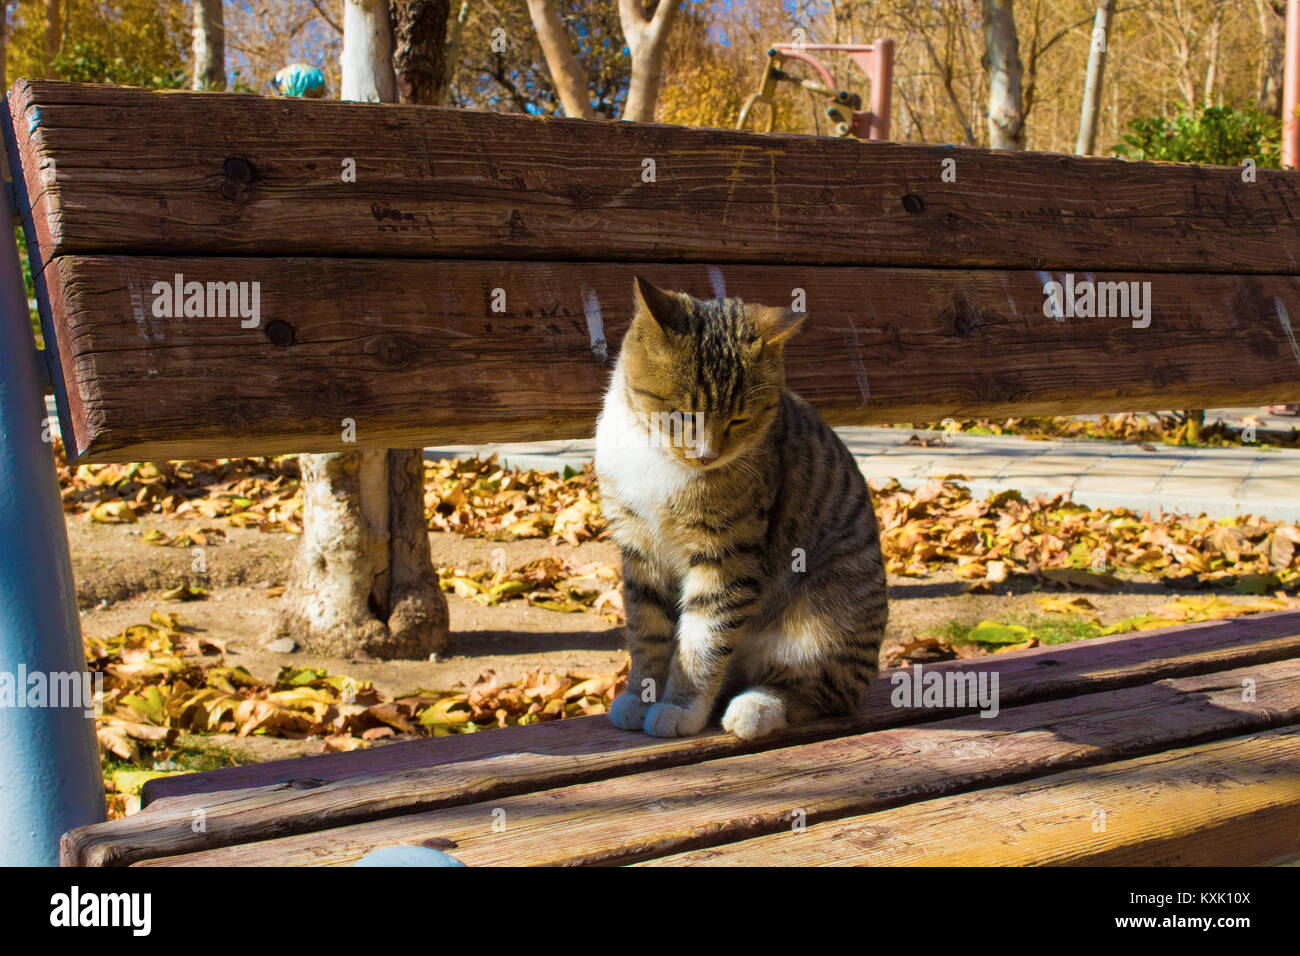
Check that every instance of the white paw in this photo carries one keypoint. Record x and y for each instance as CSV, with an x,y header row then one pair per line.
x,y
669,720
754,713
628,711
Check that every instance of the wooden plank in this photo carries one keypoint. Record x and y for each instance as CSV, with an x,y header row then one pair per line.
x,y
186,173
1228,803
722,801
1043,673
413,353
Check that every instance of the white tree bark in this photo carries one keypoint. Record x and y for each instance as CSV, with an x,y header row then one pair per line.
x,y
363,581
646,25
209,46
1002,58
566,72
1087,139
367,58
1212,56
646,31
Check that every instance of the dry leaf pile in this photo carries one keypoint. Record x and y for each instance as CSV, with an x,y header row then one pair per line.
x,y
551,583
478,498
161,678
940,524
260,493
475,497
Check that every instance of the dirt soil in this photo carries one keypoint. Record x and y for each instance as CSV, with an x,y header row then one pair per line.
x,y
120,579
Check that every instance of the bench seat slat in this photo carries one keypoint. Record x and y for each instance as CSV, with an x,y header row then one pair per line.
x,y
249,803
207,173
413,352
722,801
1227,803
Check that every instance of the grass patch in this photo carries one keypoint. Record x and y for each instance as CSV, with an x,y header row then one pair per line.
x,y
1018,627
123,779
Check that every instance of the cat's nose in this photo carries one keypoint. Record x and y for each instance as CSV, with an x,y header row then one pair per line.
x,y
708,456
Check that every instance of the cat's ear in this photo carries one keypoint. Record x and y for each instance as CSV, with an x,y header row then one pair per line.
x,y
777,325
663,307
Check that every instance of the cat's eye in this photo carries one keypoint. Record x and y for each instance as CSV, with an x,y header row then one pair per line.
x,y
736,421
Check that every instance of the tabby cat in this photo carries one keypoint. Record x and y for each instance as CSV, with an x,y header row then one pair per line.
x,y
752,576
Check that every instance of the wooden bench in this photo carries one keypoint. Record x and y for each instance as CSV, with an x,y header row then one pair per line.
x,y
438,275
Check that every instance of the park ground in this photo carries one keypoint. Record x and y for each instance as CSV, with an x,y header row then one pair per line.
x,y
963,582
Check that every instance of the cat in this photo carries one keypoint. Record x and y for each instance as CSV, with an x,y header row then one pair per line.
x,y
753,581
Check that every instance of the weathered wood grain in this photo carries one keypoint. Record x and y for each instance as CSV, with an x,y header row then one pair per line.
x,y
470,769
1042,673
1228,803
204,173
722,801
413,352
17,179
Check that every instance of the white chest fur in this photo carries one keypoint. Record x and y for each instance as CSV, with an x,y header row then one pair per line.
x,y
638,475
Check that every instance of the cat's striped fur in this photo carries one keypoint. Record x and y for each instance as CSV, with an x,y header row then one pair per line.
x,y
752,576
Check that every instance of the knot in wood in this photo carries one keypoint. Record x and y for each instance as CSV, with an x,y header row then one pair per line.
x,y
240,170
238,174
965,317
439,843
280,333
913,203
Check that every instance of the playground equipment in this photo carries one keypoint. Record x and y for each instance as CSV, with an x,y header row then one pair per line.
x,y
876,60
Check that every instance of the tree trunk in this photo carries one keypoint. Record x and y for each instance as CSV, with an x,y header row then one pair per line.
x,y
419,38
209,46
53,37
1087,139
367,58
363,581
645,27
1272,35
452,55
363,577
1212,57
1002,59
566,72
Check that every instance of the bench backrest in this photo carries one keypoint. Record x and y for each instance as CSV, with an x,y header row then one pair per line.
x,y
230,274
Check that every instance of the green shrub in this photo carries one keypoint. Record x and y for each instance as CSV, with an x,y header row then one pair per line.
x,y
1216,136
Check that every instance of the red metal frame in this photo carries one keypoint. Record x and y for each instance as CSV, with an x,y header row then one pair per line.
x,y
1291,88
874,59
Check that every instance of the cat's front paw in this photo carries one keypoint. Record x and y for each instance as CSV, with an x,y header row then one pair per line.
x,y
628,711
669,720
754,713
